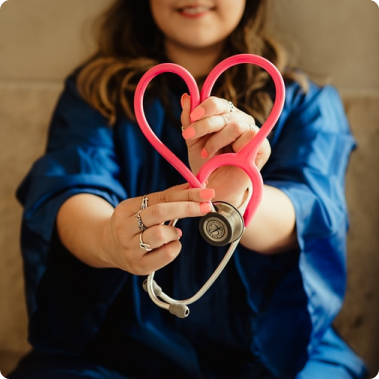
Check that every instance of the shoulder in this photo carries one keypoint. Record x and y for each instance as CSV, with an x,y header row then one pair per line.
x,y
316,102
74,121
319,109
71,99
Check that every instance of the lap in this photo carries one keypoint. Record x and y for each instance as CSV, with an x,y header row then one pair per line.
x,y
47,366
331,359
38,365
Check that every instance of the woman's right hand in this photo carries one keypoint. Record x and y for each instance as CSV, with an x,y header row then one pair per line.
x,y
103,236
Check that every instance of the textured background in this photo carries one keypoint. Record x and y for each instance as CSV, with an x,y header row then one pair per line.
x,y
334,41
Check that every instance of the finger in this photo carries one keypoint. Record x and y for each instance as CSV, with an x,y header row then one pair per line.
x,y
228,135
162,212
263,154
160,235
264,150
214,124
174,195
243,140
181,192
212,106
158,258
147,258
250,131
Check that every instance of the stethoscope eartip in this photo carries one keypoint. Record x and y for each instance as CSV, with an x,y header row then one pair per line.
x,y
178,309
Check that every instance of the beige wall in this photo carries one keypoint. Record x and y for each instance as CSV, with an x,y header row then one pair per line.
x,y
334,40
42,40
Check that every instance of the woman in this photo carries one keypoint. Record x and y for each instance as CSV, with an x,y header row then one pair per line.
x,y
96,205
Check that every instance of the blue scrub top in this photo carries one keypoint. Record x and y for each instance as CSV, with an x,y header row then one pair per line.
x,y
276,310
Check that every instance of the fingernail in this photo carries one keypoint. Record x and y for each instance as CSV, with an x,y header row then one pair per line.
x,y
180,233
204,153
207,193
197,113
205,207
188,133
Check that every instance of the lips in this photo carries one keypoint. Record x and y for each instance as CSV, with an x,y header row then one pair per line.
x,y
194,10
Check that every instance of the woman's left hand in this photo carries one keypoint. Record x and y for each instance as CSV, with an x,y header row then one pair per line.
x,y
215,127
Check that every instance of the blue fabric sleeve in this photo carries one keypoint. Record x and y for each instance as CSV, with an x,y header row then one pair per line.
x,y
311,146
80,158
310,163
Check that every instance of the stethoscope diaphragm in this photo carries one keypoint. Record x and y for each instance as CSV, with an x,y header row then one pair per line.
x,y
223,225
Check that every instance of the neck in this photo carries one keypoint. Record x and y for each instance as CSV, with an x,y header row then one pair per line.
x,y
199,62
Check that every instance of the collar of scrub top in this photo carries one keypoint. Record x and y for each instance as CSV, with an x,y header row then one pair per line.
x,y
244,159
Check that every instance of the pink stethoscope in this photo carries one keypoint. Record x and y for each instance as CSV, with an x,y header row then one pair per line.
x,y
225,224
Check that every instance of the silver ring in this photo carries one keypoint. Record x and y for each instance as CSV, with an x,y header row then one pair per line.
x,y
141,226
143,245
144,203
231,106
182,127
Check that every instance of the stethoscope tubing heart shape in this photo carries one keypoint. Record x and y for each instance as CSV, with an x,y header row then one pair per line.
x,y
244,159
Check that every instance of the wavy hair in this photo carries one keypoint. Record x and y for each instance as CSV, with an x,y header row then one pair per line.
x,y
129,43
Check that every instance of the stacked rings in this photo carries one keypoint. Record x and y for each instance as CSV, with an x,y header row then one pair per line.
x,y
141,226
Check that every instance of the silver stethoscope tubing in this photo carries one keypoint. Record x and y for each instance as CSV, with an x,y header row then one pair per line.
x,y
180,307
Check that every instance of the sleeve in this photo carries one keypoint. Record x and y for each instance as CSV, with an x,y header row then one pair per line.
x,y
80,158
311,147
309,165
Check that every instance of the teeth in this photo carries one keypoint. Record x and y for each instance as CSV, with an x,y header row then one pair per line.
x,y
195,10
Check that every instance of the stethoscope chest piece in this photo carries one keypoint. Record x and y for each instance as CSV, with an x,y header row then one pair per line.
x,y
222,226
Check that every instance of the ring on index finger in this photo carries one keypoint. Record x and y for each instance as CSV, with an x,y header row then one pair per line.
x,y
144,202
141,226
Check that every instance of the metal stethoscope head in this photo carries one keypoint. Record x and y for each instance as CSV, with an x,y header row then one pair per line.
x,y
225,224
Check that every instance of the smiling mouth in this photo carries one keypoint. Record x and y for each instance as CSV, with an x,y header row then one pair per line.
x,y
194,10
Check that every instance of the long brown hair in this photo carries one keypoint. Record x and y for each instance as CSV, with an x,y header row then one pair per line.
x,y
129,43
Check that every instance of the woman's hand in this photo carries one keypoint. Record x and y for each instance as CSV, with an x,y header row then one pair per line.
x,y
128,237
214,128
